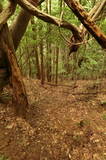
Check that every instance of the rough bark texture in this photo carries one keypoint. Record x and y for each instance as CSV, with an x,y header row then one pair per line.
x,y
93,29
4,63
9,66
93,14
6,45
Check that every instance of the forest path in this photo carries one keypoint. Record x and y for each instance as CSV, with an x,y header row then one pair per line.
x,y
67,122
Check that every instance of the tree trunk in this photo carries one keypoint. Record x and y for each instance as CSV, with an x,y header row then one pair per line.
x,y
42,63
48,42
57,64
38,73
35,36
10,66
21,22
93,14
92,28
19,98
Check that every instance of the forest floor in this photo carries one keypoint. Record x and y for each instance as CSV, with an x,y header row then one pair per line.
x,y
67,122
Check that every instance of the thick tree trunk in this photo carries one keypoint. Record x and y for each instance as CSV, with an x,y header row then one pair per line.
x,y
19,26
19,98
7,54
11,68
21,22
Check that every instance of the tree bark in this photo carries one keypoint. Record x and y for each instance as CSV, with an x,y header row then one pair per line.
x,y
11,67
35,47
57,64
92,28
6,13
19,98
42,63
93,14
19,26
48,44
38,72
47,18
21,22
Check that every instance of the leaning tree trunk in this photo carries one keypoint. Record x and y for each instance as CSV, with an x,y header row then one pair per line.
x,y
78,11
91,27
6,45
93,14
11,68
21,21
8,65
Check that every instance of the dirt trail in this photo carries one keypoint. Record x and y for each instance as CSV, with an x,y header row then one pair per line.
x,y
63,123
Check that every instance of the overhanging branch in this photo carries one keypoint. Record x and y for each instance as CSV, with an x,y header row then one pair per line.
x,y
93,15
47,18
83,16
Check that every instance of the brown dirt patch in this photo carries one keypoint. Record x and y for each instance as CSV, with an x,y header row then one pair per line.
x,y
62,123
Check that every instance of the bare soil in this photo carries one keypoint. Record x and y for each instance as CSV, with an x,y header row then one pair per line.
x,y
65,122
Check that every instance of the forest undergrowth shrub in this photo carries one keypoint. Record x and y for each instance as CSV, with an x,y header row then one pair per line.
x,y
88,64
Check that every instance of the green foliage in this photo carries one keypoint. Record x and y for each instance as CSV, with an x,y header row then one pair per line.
x,y
89,62
91,56
103,25
2,157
